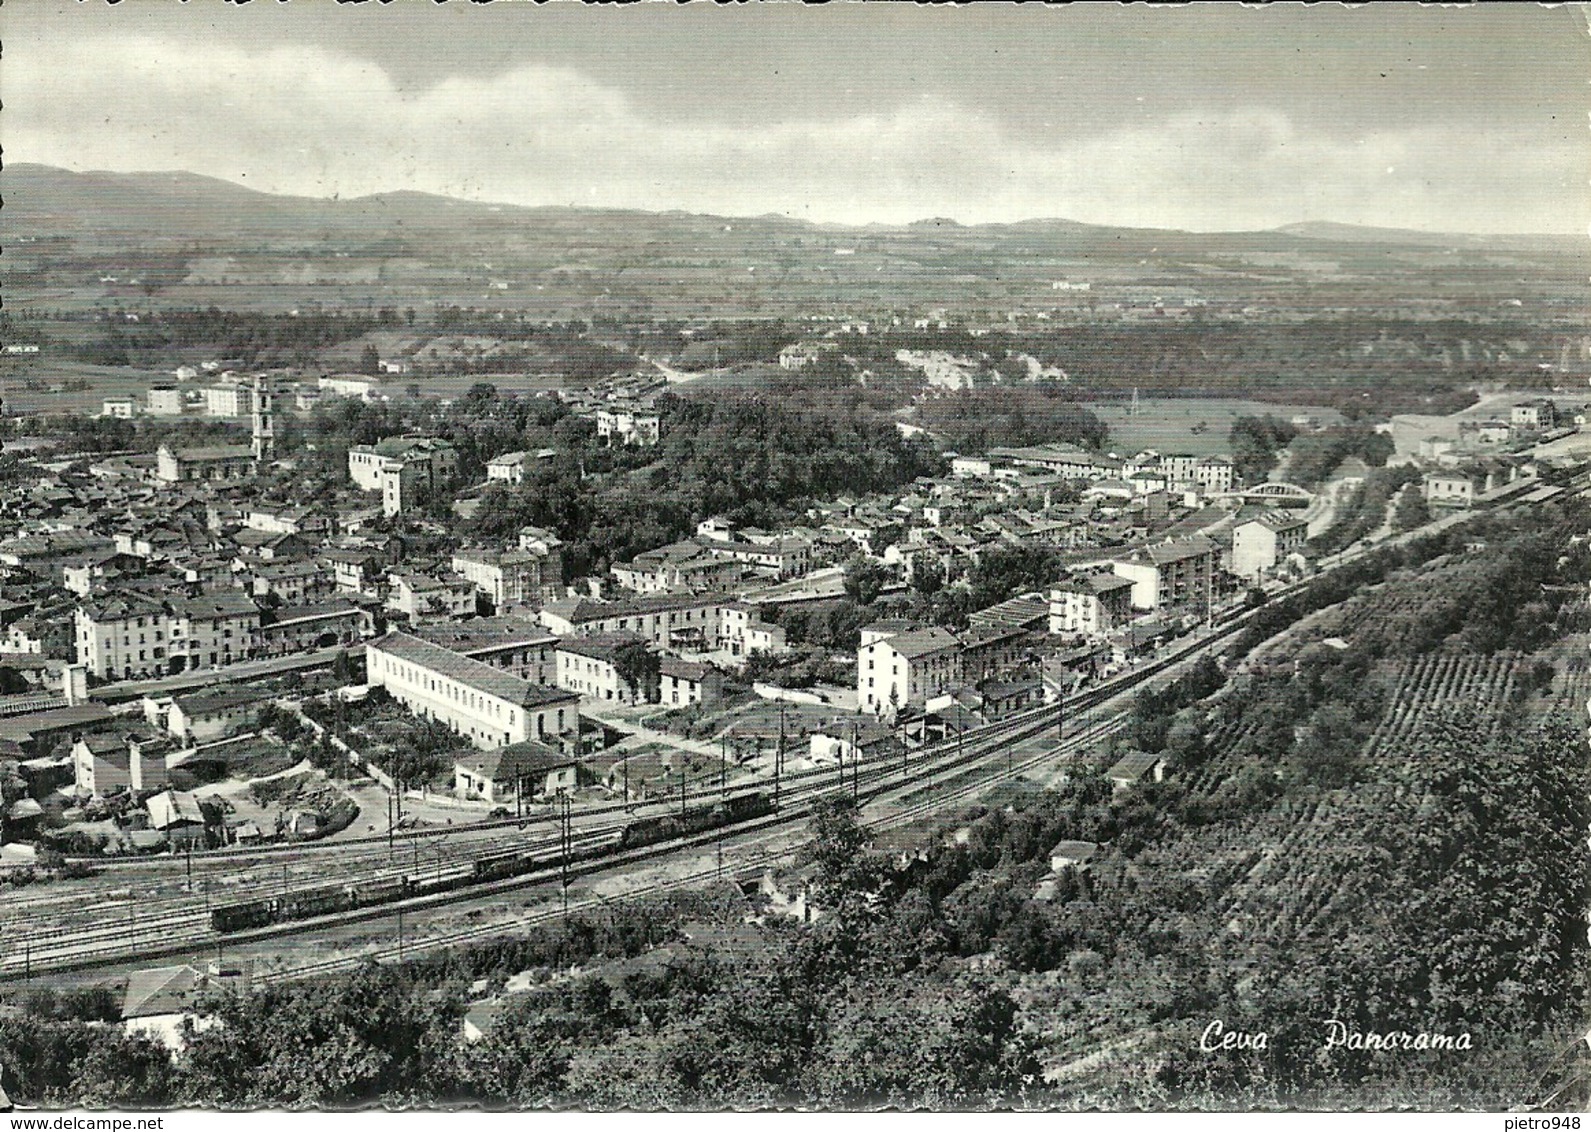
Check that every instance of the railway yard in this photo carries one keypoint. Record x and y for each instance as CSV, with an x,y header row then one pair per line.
x,y
299,910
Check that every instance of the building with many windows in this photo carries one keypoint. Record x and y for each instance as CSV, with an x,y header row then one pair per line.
x,y
902,665
589,666
513,577
486,705
1093,604
1171,575
213,630
404,469
1262,542
510,643
228,401
1215,474
678,623
122,637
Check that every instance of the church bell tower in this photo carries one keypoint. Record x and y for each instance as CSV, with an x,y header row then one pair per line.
x,y
264,421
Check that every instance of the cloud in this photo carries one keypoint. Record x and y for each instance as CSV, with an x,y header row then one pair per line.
x,y
318,122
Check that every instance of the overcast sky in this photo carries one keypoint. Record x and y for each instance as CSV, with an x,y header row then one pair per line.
x,y
1210,117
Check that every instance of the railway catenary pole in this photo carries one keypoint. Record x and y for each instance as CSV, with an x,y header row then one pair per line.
x,y
856,764
778,757
565,840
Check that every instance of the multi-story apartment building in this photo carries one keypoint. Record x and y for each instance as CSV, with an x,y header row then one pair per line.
x,y
422,597
679,623
1094,604
165,401
404,469
228,401
123,637
1171,575
512,577
588,667
213,630
1215,475
510,643
905,666
1263,541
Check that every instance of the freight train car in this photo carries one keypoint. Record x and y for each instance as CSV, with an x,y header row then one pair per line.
x,y
239,917
697,819
303,904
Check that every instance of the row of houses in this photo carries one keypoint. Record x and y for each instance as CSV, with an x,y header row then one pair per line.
x,y
130,634
1157,472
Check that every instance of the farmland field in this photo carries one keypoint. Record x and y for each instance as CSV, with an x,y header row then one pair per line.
x,y
103,382
1166,424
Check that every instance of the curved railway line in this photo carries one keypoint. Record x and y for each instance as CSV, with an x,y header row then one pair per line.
x,y
180,924
947,771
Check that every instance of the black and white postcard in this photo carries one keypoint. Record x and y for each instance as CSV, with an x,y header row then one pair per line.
x,y
689,557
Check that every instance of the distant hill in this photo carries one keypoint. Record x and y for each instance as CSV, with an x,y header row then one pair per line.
x,y
99,235
41,198
180,204
1366,234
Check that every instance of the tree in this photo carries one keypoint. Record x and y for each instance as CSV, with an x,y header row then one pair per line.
x,y
838,840
1411,510
865,580
1255,442
370,360
640,669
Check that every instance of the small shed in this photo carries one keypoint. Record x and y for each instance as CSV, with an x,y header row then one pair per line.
x,y
178,816
22,821
1072,855
1136,767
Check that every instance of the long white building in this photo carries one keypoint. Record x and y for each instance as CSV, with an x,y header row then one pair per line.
x,y
486,705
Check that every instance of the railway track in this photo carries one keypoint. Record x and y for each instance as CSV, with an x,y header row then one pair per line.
x,y
747,862
174,932
170,929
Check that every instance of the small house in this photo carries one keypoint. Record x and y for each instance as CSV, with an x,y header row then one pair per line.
x,y
1136,767
524,769
1072,855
